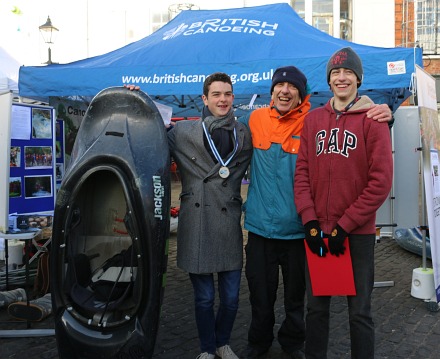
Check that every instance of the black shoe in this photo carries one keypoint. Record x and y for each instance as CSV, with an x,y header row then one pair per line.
x,y
295,354
254,352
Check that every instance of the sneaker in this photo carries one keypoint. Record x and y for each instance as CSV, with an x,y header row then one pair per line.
x,y
34,311
205,355
225,352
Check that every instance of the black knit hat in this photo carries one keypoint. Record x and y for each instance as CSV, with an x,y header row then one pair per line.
x,y
346,58
292,75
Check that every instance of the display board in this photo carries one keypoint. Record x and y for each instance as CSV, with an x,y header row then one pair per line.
x,y
69,116
32,159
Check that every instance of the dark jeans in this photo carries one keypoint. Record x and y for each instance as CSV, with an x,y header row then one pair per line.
x,y
359,306
215,330
264,256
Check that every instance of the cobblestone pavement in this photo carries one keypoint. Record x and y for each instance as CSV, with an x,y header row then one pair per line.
x,y
405,328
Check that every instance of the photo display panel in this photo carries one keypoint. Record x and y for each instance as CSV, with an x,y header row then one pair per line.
x,y
32,159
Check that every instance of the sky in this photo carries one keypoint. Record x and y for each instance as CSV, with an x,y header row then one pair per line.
x,y
86,27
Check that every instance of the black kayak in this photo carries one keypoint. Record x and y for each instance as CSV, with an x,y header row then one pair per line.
x,y
111,225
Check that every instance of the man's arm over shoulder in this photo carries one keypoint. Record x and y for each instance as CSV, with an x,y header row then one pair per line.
x,y
381,113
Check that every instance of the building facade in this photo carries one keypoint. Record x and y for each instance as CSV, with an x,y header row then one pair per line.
x,y
402,23
417,24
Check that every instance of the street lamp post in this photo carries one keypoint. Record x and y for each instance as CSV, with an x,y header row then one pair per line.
x,y
48,32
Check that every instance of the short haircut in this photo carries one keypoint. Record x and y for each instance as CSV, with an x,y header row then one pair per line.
x,y
216,76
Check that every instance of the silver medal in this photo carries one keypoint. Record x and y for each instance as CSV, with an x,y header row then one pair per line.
x,y
224,172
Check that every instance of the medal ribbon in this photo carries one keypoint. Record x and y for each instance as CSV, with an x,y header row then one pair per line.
x,y
214,149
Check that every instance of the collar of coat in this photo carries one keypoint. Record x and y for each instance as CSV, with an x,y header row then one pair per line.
x,y
268,126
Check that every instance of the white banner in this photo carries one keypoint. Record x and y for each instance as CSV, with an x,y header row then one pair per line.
x,y
427,101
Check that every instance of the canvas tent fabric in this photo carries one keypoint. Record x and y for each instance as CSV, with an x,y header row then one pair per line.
x,y
247,43
9,68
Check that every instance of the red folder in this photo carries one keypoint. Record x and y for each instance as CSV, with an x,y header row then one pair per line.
x,y
331,275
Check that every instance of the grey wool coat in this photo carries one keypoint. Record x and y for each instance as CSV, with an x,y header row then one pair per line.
x,y
209,234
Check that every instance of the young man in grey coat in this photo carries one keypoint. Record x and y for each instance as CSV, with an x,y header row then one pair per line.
x,y
212,155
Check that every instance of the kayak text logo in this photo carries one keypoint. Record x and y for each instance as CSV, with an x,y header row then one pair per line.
x,y
159,193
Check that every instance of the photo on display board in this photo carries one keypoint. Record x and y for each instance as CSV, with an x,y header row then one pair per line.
x,y
59,171
41,123
37,157
14,187
57,129
58,153
37,186
15,156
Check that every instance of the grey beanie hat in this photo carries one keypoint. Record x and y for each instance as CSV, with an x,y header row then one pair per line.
x,y
348,59
292,75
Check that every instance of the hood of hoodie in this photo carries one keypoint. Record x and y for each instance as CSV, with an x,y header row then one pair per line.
x,y
364,103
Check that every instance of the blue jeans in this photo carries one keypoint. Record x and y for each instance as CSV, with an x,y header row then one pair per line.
x,y
215,329
359,306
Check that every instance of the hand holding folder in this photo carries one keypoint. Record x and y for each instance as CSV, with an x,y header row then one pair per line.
x,y
314,238
331,275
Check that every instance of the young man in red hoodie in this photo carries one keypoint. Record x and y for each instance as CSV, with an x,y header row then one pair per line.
x,y
343,175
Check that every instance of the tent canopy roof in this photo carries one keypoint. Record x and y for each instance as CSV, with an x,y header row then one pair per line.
x,y
247,43
9,68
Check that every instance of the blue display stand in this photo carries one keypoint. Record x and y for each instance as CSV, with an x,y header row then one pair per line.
x,y
32,183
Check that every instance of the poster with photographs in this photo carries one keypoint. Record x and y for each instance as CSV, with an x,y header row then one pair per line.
x,y
15,156
38,157
32,159
37,186
14,187
41,123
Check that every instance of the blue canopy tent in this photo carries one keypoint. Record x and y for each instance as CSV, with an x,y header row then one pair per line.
x,y
247,43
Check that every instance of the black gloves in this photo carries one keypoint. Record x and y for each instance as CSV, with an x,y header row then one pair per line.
x,y
336,241
314,238
316,244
